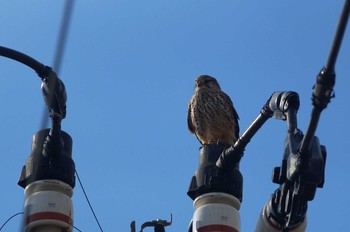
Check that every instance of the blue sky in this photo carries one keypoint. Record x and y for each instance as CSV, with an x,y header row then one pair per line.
x,y
129,69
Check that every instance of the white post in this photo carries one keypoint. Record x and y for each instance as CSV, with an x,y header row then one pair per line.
x,y
267,224
48,206
216,212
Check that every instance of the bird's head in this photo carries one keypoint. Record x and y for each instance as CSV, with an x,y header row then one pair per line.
x,y
205,81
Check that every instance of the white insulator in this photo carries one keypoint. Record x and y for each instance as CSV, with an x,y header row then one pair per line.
x,y
48,206
216,212
267,224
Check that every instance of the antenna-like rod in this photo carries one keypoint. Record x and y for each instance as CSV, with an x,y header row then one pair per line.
x,y
343,20
325,81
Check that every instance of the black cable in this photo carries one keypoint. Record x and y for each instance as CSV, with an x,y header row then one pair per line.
x,y
16,214
87,199
233,154
38,67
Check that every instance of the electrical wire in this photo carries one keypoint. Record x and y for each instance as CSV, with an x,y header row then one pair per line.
x,y
87,199
62,36
77,229
9,219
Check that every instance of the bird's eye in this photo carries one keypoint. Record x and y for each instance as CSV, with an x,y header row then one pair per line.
x,y
204,81
207,81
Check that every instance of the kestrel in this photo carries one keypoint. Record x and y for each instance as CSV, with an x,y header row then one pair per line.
x,y
211,116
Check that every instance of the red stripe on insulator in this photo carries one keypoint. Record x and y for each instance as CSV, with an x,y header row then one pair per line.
x,y
216,228
49,216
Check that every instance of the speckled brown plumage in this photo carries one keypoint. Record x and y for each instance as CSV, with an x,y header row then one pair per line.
x,y
211,116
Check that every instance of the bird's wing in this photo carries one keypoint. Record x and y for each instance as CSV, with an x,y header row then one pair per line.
x,y
189,120
236,118
234,112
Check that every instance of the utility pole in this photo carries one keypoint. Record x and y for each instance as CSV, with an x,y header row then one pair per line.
x,y
216,187
48,177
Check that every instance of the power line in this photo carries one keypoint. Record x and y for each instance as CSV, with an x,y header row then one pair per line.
x,y
87,199
9,219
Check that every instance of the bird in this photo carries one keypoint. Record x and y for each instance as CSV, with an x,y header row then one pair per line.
x,y
211,115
